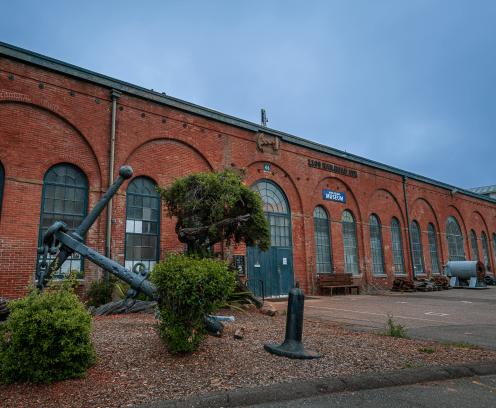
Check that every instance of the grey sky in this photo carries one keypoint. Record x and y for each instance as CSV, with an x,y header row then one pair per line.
x,y
411,84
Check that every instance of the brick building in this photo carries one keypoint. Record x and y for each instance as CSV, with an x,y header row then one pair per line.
x,y
66,131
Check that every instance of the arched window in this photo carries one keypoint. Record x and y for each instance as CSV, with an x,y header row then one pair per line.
x,y
2,181
322,240
64,198
454,237
473,241
142,223
485,252
418,257
349,243
397,246
433,249
376,244
276,208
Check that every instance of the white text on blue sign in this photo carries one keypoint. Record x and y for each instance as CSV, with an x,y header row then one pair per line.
x,y
334,195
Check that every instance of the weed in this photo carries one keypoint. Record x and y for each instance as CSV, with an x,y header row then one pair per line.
x,y
402,291
410,365
426,350
462,344
284,312
393,330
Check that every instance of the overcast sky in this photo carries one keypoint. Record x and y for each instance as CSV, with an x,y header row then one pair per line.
x,y
411,84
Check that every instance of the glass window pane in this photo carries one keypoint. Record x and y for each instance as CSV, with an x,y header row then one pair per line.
x,y
418,258
454,237
68,202
349,243
397,246
142,220
376,244
433,249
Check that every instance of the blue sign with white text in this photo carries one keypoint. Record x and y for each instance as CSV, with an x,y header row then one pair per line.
x,y
266,167
334,195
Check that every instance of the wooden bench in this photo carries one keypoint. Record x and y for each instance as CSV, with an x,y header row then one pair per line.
x,y
333,281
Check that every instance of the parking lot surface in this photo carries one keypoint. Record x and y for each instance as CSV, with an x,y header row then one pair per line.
x,y
457,315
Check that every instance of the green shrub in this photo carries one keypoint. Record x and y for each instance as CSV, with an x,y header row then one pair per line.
x,y
188,289
47,337
100,291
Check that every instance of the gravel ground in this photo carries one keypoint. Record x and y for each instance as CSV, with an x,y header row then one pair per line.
x,y
135,368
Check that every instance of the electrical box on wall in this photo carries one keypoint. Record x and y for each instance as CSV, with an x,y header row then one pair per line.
x,y
239,263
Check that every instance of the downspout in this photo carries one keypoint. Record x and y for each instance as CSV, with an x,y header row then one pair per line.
x,y
115,95
405,178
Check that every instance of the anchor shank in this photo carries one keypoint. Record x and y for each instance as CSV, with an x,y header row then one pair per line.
x,y
113,267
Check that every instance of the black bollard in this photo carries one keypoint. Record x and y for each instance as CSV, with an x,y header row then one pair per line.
x,y
292,346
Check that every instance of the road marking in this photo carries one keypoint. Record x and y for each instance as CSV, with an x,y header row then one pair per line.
x,y
437,314
464,301
401,302
376,314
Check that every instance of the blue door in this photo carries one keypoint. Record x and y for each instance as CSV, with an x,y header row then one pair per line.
x,y
274,267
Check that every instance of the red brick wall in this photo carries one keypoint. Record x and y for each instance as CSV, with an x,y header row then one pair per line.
x,y
42,127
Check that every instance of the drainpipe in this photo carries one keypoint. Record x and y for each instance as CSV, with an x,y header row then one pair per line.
x,y
405,178
115,95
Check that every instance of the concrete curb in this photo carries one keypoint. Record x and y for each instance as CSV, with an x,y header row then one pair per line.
x,y
277,393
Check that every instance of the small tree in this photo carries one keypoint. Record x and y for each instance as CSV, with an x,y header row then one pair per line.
x,y
216,206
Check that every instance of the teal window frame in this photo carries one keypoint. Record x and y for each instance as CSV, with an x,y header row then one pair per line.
x,y
431,234
52,197
277,210
473,242
350,246
456,248
397,245
323,254
418,256
376,244
485,250
136,219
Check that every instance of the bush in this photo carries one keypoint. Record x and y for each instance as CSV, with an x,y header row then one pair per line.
x,y
189,288
47,337
100,291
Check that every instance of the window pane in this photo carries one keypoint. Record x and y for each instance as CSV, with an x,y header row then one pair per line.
x,y
376,244
473,241
322,241
454,237
485,252
349,243
397,246
68,202
141,221
433,249
418,258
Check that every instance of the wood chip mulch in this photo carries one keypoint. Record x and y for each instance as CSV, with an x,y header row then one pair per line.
x,y
135,368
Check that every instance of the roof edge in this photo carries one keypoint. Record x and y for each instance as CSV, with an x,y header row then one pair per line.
x,y
103,80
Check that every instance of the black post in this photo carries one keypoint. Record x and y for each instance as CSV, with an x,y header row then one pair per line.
x,y
292,346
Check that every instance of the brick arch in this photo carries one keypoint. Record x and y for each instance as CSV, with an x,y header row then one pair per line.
x,y
317,199
190,142
472,221
374,207
161,162
418,212
287,184
55,109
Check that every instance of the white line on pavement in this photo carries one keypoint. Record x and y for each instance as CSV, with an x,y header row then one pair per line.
x,y
378,314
